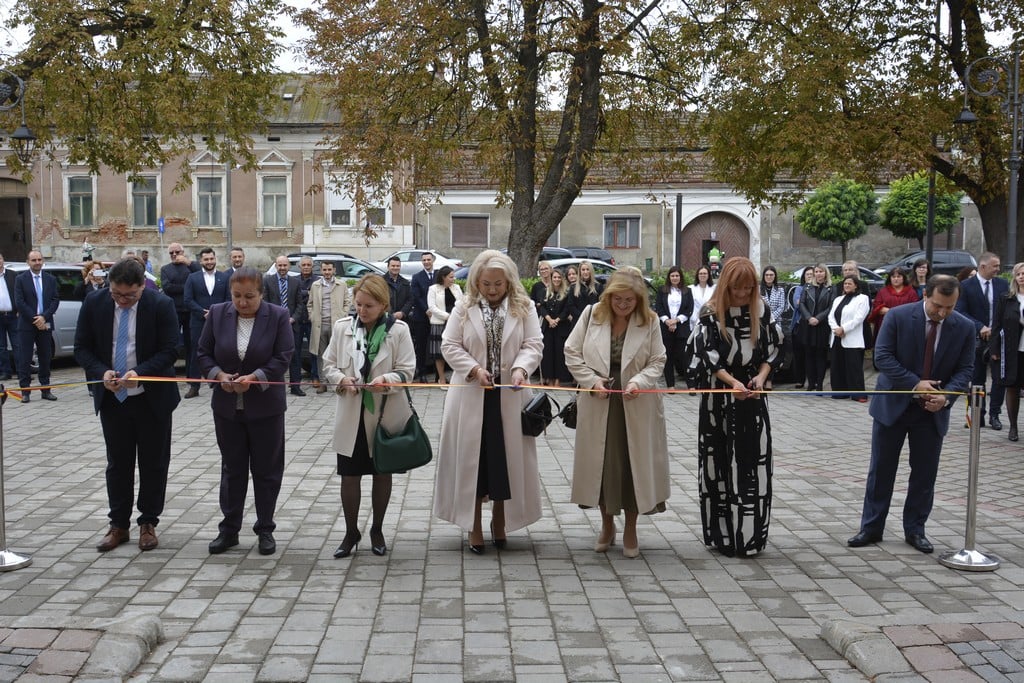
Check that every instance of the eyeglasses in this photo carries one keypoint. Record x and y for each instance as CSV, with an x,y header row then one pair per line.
x,y
126,296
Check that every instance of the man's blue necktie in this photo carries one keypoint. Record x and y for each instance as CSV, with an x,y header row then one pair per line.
x,y
121,351
283,283
38,279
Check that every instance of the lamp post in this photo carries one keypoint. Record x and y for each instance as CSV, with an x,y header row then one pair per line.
x,y
23,142
994,77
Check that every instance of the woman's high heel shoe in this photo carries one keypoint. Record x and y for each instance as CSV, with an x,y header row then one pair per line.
x,y
631,553
501,542
602,545
474,548
348,544
377,544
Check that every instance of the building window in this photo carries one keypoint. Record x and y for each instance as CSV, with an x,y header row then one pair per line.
x,y
80,201
470,231
144,202
376,216
275,201
209,197
341,217
621,232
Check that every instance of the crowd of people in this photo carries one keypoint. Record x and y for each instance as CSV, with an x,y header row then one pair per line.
x,y
244,333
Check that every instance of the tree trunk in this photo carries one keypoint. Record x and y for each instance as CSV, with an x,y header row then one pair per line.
x,y
993,225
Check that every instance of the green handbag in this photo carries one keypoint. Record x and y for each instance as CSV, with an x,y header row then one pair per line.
x,y
404,450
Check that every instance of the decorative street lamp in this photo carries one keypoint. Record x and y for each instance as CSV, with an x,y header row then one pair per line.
x,y
994,77
22,140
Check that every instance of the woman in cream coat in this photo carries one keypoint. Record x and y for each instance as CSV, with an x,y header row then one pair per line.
x,y
483,453
375,349
441,299
621,455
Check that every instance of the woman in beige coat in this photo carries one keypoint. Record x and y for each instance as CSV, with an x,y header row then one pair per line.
x,y
621,455
492,338
371,349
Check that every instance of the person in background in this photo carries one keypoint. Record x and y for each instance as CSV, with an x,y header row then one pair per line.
x,y
282,289
1008,349
304,334
572,274
620,458
701,290
737,343
8,323
237,259
36,299
966,272
373,349
674,307
419,319
774,294
441,299
814,307
919,276
554,328
144,255
797,334
978,297
172,281
122,333
203,289
329,301
896,292
539,291
846,319
586,291
400,291
246,347
492,337
94,277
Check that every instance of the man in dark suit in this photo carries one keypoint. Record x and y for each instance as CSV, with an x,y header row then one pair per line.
x,y
419,322
305,328
283,290
36,298
203,289
400,291
977,301
904,365
172,281
8,322
124,332
237,258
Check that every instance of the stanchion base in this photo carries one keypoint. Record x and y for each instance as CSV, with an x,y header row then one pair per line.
x,y
970,561
9,561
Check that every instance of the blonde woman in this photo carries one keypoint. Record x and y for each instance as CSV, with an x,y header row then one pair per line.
x,y
492,338
620,461
554,328
372,349
585,292
1008,347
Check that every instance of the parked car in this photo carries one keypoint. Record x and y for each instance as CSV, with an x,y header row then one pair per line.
x,y
874,281
944,261
592,254
348,267
65,320
411,263
549,253
602,271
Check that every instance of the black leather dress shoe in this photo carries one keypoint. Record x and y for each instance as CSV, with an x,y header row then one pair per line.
x,y
192,393
222,543
863,538
994,423
48,396
919,542
298,392
267,544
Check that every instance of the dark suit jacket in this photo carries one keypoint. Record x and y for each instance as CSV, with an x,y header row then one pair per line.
x,y
9,277
272,294
1006,333
198,300
25,299
899,357
156,336
401,295
270,349
974,305
172,281
421,282
685,311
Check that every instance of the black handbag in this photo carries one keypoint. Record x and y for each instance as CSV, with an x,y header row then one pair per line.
x,y
568,414
403,451
537,414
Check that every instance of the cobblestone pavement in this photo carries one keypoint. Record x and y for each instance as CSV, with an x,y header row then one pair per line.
x,y
546,609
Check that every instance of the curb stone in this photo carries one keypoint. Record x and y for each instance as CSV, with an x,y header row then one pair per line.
x,y
867,648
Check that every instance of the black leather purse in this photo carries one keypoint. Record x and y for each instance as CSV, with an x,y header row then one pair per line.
x,y
537,414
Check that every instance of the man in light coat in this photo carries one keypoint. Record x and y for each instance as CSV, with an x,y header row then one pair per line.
x,y
328,302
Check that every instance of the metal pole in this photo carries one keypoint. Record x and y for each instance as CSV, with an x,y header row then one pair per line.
x,y
969,559
9,560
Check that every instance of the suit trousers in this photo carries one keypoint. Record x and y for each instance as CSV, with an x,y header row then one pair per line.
x,y
295,369
185,332
983,363
325,341
192,359
303,335
420,331
9,330
256,446
847,368
918,425
29,338
135,433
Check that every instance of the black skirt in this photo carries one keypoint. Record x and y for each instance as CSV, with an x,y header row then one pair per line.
x,y
492,477
360,463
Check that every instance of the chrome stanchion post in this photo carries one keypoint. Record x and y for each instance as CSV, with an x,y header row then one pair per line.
x,y
970,559
9,560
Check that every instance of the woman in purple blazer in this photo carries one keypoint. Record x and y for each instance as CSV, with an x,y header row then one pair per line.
x,y
245,344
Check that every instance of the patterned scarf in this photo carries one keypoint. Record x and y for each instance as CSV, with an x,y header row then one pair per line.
x,y
366,352
494,328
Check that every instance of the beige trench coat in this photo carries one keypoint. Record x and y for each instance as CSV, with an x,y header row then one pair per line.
x,y
643,360
340,303
464,346
396,355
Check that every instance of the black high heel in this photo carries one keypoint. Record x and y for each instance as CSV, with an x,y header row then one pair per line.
x,y
376,548
475,549
348,544
499,543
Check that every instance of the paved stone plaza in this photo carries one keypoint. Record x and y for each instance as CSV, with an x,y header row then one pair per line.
x,y
546,609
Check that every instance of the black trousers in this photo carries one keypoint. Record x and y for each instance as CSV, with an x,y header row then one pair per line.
x,y
984,365
256,446
847,369
30,337
815,363
420,330
676,359
135,433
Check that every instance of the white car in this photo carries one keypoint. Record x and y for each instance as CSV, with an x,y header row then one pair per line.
x,y
411,263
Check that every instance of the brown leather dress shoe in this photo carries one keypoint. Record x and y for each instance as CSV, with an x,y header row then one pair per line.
x,y
147,537
114,538
192,393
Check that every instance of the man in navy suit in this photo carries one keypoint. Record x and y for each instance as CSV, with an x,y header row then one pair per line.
x,y
203,289
419,322
127,331
36,298
282,289
977,301
904,365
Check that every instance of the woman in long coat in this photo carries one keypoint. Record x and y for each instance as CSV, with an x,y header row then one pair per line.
x,y
492,337
356,355
737,343
620,459
815,302
1008,349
